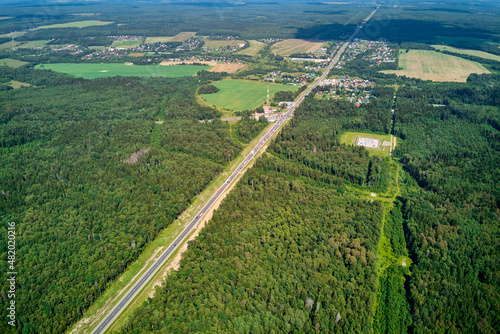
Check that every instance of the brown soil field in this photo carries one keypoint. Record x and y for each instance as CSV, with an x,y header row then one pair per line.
x,y
229,68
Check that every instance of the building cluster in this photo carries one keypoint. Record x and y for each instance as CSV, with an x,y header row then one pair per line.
x,y
291,79
123,38
270,40
376,51
226,48
223,38
190,44
354,90
106,54
156,47
382,53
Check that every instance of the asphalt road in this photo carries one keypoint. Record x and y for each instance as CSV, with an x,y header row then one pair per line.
x,y
139,285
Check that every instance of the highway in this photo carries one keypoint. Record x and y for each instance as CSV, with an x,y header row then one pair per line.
x,y
150,272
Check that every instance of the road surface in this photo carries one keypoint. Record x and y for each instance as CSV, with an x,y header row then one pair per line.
x,y
139,285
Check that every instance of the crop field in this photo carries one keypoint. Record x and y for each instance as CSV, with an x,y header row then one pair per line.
x,y
12,62
126,44
182,36
77,24
162,39
13,34
372,142
136,54
92,71
33,44
242,95
9,45
253,49
435,66
219,44
291,46
475,53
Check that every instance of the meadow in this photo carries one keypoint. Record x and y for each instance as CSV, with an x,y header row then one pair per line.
x,y
12,62
76,24
242,95
33,44
253,49
126,44
218,44
475,53
435,66
291,46
92,71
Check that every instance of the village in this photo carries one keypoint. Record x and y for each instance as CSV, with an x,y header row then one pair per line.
x,y
354,90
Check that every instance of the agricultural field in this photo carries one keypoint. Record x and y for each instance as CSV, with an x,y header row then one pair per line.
x,y
13,34
229,68
136,54
33,44
9,45
220,44
76,24
291,46
435,66
369,140
182,36
5,17
126,44
12,62
153,40
92,71
475,53
242,95
253,49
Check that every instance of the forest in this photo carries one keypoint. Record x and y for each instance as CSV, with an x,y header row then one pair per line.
x,y
299,214
90,179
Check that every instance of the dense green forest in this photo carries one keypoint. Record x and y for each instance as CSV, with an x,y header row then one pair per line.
x,y
89,179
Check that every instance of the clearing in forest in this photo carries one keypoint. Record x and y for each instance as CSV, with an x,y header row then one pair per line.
x,y
435,66
12,62
253,49
291,46
243,95
18,84
92,71
375,144
33,44
475,53
76,24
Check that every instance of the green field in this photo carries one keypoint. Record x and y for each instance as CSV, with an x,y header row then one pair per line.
x,y
77,24
33,44
241,95
12,62
8,45
92,71
435,66
475,53
253,49
126,44
162,39
350,138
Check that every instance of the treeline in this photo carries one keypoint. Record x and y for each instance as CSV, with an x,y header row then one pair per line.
x,y
85,203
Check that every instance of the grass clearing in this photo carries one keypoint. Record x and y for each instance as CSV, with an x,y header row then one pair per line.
x,y
12,62
475,53
13,35
18,84
435,66
9,45
161,39
33,44
76,24
253,49
92,71
182,36
242,95
291,46
126,44
350,138
136,54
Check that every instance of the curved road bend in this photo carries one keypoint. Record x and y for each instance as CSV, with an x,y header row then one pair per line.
x,y
139,285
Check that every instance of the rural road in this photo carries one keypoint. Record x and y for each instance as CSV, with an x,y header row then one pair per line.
x,y
139,285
